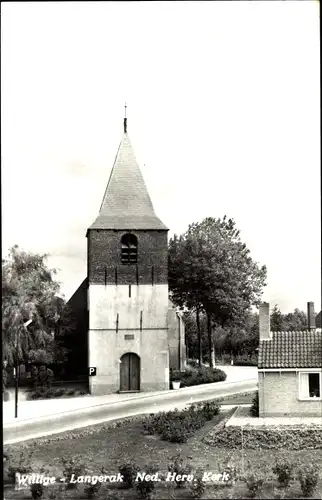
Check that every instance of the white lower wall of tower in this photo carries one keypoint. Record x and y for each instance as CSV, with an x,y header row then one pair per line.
x,y
107,344
105,302
106,349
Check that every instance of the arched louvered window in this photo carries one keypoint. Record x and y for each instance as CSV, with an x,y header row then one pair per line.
x,y
129,249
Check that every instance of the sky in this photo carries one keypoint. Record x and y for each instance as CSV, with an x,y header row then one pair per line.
x,y
223,114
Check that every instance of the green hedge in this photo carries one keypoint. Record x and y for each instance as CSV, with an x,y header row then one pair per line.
x,y
245,360
197,376
50,393
225,359
254,409
177,426
288,437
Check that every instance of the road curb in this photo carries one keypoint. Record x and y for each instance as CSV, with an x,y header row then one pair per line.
x,y
83,417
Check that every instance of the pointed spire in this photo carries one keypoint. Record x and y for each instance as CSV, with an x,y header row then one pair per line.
x,y
125,119
126,203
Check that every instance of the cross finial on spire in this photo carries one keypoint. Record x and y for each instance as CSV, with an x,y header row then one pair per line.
x,y
125,119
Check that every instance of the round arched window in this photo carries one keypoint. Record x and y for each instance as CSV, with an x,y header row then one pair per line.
x,y
129,249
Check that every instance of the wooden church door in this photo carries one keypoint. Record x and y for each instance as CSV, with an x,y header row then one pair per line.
x,y
130,372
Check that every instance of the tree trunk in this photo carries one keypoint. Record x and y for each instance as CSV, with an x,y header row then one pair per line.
x,y
210,343
213,354
199,338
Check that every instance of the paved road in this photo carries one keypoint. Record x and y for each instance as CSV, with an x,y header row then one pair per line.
x,y
43,407
143,403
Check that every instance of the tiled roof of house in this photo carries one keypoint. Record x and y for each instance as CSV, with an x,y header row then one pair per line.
x,y
291,350
126,203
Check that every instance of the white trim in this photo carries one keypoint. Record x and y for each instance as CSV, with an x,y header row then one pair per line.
x,y
314,370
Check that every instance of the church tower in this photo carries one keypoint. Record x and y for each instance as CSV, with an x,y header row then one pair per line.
x,y
127,270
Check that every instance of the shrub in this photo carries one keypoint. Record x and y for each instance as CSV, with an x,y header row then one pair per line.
x,y
308,477
254,409
193,363
71,466
34,376
48,393
154,423
42,393
59,392
279,494
203,375
128,470
175,432
113,495
283,470
177,466
21,465
254,483
56,493
37,490
70,392
44,377
177,426
177,375
210,409
197,488
91,490
245,360
144,486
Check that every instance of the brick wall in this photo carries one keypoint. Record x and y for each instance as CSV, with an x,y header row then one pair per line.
x,y
104,258
278,396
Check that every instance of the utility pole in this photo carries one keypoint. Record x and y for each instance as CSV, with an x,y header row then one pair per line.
x,y
16,369
17,366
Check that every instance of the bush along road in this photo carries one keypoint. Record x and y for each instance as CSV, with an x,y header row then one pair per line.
x,y
144,403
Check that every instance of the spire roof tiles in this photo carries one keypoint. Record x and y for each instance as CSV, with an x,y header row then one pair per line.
x,y
126,203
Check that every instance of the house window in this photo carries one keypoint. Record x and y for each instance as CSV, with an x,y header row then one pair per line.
x,y
310,384
129,249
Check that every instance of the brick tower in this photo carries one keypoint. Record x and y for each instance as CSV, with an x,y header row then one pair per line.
x,y
127,271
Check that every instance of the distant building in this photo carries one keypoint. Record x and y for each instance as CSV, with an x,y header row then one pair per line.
x,y
289,369
128,329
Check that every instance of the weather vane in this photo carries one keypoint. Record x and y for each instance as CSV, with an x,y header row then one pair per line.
x,y
125,119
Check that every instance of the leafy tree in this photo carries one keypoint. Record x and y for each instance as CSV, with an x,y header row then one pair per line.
x,y
233,340
243,339
276,319
295,321
29,291
211,270
185,297
196,335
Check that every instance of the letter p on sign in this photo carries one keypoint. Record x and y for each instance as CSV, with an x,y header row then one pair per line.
x,y
92,371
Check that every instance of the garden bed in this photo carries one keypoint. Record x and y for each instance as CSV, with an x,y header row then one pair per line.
x,y
197,376
51,393
243,417
266,438
111,444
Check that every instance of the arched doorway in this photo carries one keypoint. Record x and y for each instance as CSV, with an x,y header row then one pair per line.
x,y
129,372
